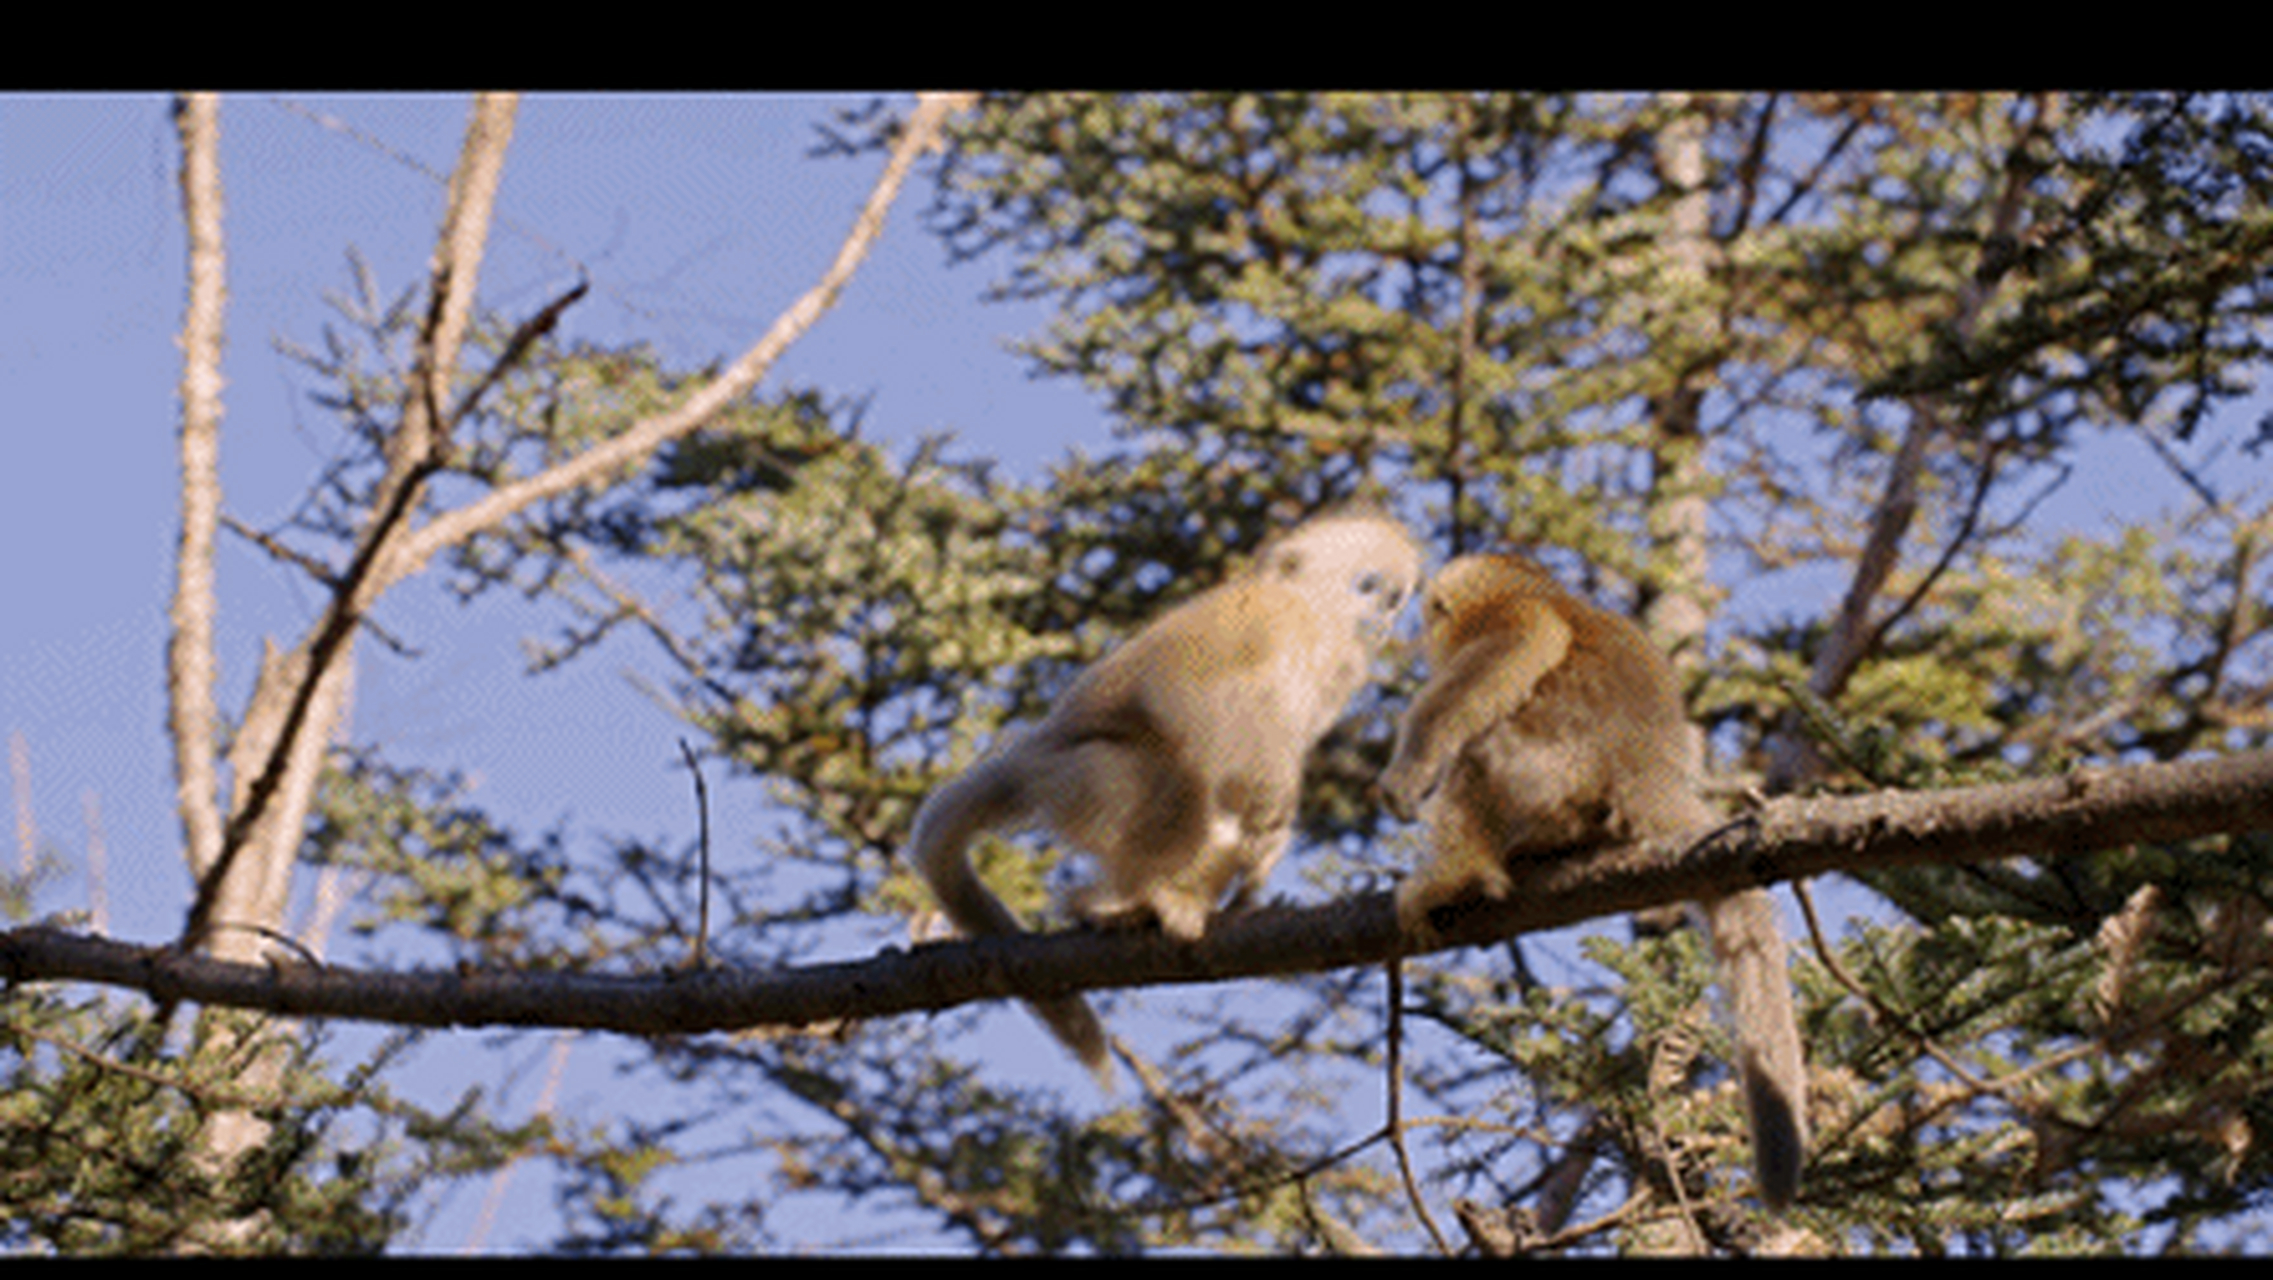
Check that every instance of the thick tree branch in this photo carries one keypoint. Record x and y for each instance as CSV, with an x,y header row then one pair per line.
x,y
1789,839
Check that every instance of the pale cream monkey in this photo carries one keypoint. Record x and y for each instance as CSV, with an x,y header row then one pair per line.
x,y
1175,762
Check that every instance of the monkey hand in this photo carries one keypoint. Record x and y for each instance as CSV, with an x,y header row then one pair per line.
x,y
1405,784
1444,888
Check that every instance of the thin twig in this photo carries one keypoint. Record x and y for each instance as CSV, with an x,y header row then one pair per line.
x,y
517,347
1394,1126
701,959
320,572
205,1096
1907,1025
277,936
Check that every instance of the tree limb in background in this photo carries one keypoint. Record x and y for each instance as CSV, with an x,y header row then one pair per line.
x,y
1792,761
642,438
286,739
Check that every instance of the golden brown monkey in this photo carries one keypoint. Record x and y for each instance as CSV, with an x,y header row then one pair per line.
x,y
1175,761
1548,725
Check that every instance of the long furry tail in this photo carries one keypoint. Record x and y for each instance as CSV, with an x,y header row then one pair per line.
x,y
1750,949
990,796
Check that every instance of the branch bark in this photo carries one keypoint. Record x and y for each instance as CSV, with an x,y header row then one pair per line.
x,y
1789,839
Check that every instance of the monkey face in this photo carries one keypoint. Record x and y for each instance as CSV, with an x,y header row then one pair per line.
x,y
1363,565
1467,597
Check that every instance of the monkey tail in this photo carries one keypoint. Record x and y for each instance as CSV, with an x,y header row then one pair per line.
x,y
992,795
1750,949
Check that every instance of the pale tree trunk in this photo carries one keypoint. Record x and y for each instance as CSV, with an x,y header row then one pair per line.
x,y
296,700
1676,582
242,857
252,897
192,720
1675,608
250,904
1680,499
298,696
244,867
189,653
20,780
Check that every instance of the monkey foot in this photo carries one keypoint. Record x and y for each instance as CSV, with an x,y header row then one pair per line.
x,y
1430,906
1178,917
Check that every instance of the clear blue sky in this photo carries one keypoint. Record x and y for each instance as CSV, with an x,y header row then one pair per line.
x,y
697,219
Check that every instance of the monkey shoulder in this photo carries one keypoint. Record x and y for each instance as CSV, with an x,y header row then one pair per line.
x,y
1246,627
1219,661
1603,679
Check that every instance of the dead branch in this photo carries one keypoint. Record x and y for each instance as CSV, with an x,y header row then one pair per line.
x,y
598,463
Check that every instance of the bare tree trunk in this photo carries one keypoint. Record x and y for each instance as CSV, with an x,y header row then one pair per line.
x,y
279,751
20,782
297,698
1675,611
189,653
244,867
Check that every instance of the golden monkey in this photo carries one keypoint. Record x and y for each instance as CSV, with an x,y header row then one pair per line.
x,y
1175,761
1548,725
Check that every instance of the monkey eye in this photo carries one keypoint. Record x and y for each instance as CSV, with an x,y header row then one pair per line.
x,y
1382,586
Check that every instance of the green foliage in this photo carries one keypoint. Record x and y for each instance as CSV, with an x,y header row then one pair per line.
x,y
1483,301
1488,300
104,1129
